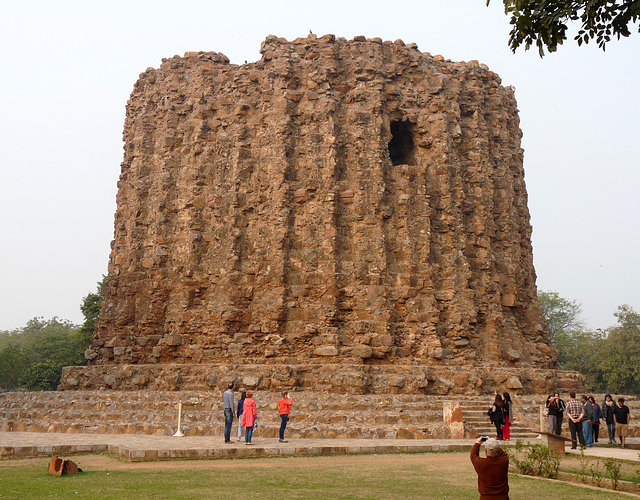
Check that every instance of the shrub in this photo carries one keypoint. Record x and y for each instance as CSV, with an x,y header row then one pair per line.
x,y
613,467
538,461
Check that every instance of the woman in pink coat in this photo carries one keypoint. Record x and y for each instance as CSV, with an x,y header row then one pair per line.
x,y
249,415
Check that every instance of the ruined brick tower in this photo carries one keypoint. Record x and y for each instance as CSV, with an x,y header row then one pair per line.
x,y
340,214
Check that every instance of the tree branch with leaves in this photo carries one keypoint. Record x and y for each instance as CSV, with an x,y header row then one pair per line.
x,y
544,23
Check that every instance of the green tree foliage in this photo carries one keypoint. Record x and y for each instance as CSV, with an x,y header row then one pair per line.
x,y
619,358
609,359
46,345
11,366
565,326
41,376
90,308
545,22
32,357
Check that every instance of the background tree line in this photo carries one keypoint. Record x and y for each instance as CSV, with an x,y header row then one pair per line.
x,y
609,358
32,357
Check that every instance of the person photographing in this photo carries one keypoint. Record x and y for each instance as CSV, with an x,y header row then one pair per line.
x,y
492,470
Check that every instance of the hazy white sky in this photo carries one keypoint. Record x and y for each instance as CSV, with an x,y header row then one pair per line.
x,y
68,68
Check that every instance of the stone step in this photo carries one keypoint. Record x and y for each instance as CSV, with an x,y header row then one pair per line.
x,y
132,405
330,418
330,431
314,414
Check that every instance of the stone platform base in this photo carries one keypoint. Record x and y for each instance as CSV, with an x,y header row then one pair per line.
x,y
151,448
336,378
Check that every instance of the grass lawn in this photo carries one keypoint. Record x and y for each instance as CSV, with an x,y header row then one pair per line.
x,y
404,476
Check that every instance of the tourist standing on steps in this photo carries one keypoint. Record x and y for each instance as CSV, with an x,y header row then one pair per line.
x,y
243,396
227,399
622,416
249,417
560,408
587,421
607,412
497,416
284,409
507,410
493,470
575,412
597,415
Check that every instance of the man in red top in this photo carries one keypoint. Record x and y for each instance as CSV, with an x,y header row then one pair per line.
x,y
284,409
493,471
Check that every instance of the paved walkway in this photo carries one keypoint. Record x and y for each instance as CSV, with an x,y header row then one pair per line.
x,y
139,447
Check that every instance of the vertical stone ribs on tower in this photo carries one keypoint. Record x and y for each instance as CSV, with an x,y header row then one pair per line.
x,y
357,206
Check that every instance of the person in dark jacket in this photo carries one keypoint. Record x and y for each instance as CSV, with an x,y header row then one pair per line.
x,y
587,421
496,415
597,415
493,470
552,412
608,406
560,408
507,410
243,396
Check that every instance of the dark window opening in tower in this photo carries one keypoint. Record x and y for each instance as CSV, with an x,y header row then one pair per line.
x,y
401,143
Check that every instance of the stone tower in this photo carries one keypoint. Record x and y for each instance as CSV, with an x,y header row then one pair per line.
x,y
340,214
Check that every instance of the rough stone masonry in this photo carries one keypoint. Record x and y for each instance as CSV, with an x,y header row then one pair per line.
x,y
344,215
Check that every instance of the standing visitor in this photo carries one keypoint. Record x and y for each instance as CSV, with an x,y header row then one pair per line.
x,y
575,412
597,415
560,408
607,412
507,409
496,415
587,421
622,416
552,413
243,396
227,399
493,470
284,409
249,416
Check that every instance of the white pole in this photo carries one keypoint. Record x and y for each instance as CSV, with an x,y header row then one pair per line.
x,y
179,432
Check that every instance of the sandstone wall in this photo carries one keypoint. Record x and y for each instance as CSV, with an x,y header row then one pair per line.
x,y
352,202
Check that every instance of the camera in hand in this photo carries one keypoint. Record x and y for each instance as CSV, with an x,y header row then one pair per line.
x,y
483,438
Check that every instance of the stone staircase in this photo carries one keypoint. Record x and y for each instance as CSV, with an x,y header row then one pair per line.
x,y
478,424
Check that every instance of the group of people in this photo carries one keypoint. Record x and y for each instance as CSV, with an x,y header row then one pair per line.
x,y
247,414
585,417
501,415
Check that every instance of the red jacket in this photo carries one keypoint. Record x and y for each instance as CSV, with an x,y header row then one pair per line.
x,y
284,406
249,413
493,474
